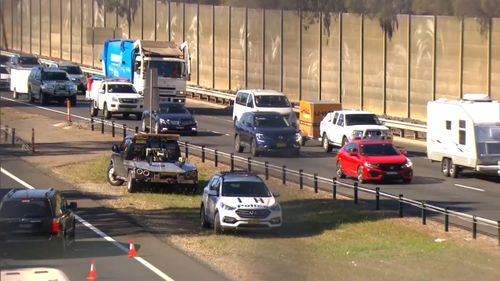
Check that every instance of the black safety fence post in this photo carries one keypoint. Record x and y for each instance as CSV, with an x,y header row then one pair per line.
x,y
301,179
216,158
33,140
113,128
400,205
13,135
136,129
474,227
446,220
266,166
377,198
6,133
355,192
334,188
92,123
315,183
424,214
232,162
203,154
124,130
102,126
249,164
186,149
283,178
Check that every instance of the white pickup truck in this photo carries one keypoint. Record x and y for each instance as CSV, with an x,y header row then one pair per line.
x,y
115,97
339,127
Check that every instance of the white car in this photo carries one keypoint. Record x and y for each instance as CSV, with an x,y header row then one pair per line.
x,y
4,77
33,273
262,101
340,127
235,200
115,97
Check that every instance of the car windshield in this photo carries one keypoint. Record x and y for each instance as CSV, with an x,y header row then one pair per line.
x,y
361,119
171,69
3,70
74,70
161,150
272,101
53,75
121,89
28,60
271,121
25,208
382,149
245,189
172,108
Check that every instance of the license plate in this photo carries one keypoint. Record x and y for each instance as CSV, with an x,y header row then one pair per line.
x,y
165,174
392,173
25,225
60,93
253,221
179,128
280,145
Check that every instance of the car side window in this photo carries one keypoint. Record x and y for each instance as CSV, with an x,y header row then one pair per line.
x,y
250,101
214,185
242,98
351,148
335,117
341,120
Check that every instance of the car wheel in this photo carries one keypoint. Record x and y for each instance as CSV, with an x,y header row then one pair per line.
x,y
445,167
203,218
144,126
105,112
237,144
30,95
131,184
253,148
111,176
344,141
327,147
126,115
93,110
73,101
43,98
361,177
454,169
217,227
340,171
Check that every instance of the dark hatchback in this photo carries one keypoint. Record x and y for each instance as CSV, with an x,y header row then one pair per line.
x,y
170,118
266,132
36,216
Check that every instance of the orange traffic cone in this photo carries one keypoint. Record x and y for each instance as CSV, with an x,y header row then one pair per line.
x,y
92,272
132,253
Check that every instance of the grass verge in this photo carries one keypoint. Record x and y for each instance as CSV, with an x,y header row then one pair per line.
x,y
321,239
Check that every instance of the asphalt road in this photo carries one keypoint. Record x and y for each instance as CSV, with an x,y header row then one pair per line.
x,y
158,260
471,193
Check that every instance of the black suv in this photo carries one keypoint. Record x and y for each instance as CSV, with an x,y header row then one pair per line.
x,y
45,84
36,215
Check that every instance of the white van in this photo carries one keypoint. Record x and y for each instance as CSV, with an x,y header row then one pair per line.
x,y
262,100
464,134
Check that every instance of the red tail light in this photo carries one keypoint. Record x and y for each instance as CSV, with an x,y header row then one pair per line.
x,y
55,226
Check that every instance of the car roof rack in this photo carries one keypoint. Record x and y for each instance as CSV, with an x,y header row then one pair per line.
x,y
238,172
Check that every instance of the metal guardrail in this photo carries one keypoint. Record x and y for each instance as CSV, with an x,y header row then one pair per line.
x,y
228,98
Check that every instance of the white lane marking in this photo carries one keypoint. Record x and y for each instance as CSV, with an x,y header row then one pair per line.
x,y
216,132
469,187
144,262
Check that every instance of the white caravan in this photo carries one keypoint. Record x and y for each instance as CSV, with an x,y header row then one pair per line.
x,y
464,134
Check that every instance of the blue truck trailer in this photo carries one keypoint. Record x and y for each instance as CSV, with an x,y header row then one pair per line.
x,y
131,60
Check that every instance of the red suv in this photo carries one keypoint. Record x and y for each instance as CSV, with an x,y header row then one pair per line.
x,y
373,160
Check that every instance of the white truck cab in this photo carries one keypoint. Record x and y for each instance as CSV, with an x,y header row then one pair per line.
x,y
339,127
115,97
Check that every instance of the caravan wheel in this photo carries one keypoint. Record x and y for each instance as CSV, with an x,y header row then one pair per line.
x,y
445,166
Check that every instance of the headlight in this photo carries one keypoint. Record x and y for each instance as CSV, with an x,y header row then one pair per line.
x,y
356,134
298,137
369,165
163,121
180,92
227,207
408,164
275,207
260,137
191,175
47,86
73,87
115,99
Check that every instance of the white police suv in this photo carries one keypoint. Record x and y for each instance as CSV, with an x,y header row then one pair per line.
x,y
238,199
